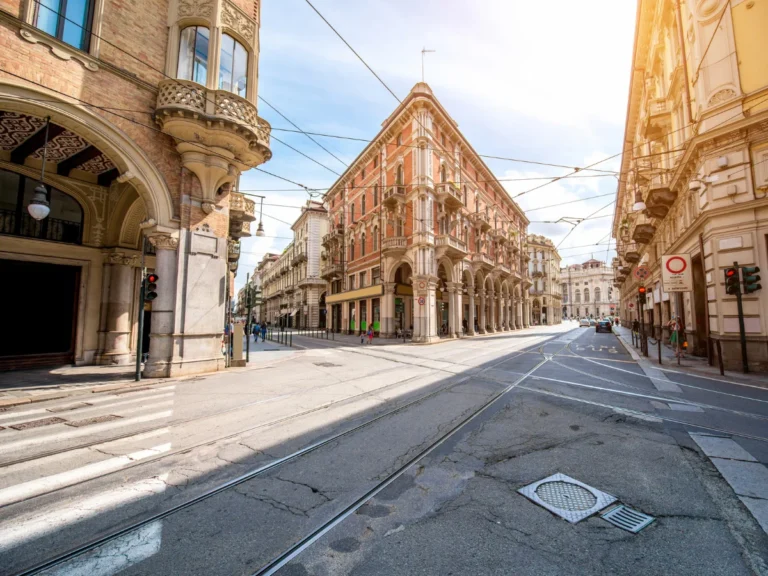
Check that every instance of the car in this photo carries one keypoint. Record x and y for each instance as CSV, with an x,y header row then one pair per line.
x,y
584,323
592,322
603,325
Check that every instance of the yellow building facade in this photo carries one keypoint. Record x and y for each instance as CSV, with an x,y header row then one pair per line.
x,y
695,169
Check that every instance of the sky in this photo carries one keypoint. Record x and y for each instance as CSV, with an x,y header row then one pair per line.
x,y
540,81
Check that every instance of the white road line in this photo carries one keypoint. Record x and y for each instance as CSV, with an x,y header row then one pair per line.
x,y
11,419
85,431
42,522
33,488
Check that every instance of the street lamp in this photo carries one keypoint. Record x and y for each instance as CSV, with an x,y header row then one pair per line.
x,y
260,227
38,208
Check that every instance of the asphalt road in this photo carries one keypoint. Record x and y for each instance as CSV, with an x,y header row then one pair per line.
x,y
395,459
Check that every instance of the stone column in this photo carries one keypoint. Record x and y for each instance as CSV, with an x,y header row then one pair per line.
x,y
471,317
451,288
119,298
505,313
424,315
481,324
388,310
526,313
519,313
459,310
163,308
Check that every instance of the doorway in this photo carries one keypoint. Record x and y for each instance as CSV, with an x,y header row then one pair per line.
x,y
41,313
699,307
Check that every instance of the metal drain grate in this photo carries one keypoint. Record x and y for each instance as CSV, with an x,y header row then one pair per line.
x,y
94,420
327,364
627,519
37,423
567,497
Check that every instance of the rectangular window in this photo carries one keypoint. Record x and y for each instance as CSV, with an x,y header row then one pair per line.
x,y
375,161
67,20
352,213
351,280
375,276
362,280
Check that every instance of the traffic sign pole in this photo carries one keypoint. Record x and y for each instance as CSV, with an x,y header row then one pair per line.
x,y
742,332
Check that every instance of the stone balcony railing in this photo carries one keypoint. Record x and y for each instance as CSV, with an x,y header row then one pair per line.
x,y
481,220
449,194
331,270
191,112
241,208
482,259
394,244
393,195
233,250
239,229
450,246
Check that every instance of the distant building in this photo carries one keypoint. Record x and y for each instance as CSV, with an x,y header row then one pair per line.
x,y
587,290
292,288
544,269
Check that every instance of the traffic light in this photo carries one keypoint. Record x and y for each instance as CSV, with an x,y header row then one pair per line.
x,y
751,279
150,285
732,281
641,291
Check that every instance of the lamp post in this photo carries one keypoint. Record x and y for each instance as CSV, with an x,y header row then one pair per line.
x,y
38,208
260,227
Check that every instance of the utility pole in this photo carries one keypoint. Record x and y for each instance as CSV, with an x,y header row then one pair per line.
x,y
248,323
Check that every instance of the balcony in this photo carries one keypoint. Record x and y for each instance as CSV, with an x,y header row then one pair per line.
x,y
333,236
393,196
504,269
233,250
394,245
192,113
536,291
660,198
481,220
658,118
632,256
290,289
643,233
483,260
330,271
239,229
449,194
311,281
241,208
298,258
539,273
450,246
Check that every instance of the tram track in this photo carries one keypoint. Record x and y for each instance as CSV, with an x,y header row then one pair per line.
x,y
250,475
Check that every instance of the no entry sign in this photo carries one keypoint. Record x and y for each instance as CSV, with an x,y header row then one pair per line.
x,y
676,275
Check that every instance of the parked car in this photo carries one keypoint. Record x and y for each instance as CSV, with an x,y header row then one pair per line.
x,y
584,323
603,325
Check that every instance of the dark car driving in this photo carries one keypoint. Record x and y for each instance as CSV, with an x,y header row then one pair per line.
x,y
603,325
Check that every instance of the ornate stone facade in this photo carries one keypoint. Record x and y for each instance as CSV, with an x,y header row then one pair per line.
x,y
544,270
696,156
587,290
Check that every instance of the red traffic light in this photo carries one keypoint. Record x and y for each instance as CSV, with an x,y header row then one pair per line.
x,y
730,272
152,278
641,290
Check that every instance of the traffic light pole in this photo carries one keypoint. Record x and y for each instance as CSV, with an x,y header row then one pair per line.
x,y
248,322
643,340
140,335
742,332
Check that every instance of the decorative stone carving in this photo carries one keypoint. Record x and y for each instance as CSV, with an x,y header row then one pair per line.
x,y
59,50
120,259
208,207
232,16
125,177
722,96
201,8
148,223
164,242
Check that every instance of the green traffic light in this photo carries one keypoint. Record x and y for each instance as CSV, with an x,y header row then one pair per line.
x,y
751,279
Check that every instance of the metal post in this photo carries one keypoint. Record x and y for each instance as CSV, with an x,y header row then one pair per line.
x,y
291,343
720,357
658,342
248,319
742,333
140,337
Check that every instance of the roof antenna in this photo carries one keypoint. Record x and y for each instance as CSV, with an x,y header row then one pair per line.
x,y
423,52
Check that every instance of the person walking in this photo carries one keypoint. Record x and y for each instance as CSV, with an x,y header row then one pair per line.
x,y
370,335
263,332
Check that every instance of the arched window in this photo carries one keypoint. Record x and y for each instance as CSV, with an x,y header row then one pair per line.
x,y
352,213
586,294
375,238
465,195
362,244
233,66
577,296
597,294
362,205
63,224
193,54
399,178
375,195
351,249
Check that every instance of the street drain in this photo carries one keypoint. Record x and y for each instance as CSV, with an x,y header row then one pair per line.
x,y
327,364
567,497
627,519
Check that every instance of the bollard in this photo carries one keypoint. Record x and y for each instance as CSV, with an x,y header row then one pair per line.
x,y
658,342
291,342
720,357
333,336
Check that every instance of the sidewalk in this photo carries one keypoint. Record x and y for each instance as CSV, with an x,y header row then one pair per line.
x,y
37,385
693,365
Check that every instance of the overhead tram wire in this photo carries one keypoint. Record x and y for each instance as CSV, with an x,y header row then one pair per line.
x,y
577,224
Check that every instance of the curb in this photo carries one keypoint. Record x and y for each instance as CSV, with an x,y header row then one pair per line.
x,y
657,377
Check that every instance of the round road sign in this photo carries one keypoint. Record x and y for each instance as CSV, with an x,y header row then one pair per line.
x,y
631,304
676,265
422,300
642,272
422,285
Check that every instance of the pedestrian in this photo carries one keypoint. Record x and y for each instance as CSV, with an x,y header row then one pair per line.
x,y
362,337
636,326
464,326
370,335
255,331
263,332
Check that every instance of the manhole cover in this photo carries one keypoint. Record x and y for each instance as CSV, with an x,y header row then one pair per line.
x,y
627,519
567,497
327,364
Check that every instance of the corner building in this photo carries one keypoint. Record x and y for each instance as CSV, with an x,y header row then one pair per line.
x,y
544,269
145,113
695,170
421,236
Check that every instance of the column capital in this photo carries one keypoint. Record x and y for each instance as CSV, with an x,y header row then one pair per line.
x,y
122,259
164,241
389,287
